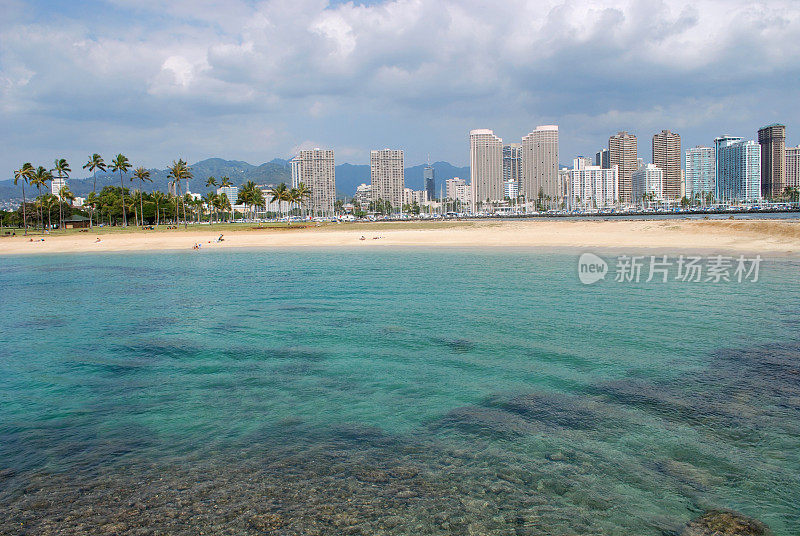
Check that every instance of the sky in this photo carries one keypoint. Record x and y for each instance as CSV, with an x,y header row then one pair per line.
x,y
256,80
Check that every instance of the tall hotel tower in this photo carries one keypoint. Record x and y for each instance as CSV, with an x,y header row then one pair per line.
x,y
485,166
540,163
737,169
701,175
429,176
316,169
772,139
622,152
388,176
793,167
667,156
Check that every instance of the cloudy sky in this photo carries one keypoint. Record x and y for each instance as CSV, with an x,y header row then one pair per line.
x,y
254,80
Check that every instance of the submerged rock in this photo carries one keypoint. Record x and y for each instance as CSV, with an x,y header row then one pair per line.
x,y
725,523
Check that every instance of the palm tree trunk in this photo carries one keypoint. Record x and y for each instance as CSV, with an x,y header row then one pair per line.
x,y
94,190
60,215
124,215
141,205
24,212
41,213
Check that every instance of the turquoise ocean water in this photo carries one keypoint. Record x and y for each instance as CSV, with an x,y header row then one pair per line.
x,y
391,392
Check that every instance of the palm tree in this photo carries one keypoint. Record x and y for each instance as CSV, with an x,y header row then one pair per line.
x,y
211,182
121,164
40,178
279,193
144,176
303,194
62,170
223,203
93,200
293,198
25,173
63,193
47,202
158,198
258,200
211,201
180,171
198,204
95,162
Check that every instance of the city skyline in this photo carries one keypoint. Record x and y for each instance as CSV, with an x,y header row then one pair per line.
x,y
191,82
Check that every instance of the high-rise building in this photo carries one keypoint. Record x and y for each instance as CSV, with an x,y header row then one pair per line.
x,y
231,192
388,176
458,190
591,187
540,163
667,156
601,159
622,152
772,139
511,189
793,167
647,184
512,163
420,197
56,185
485,166
701,177
363,195
737,169
429,176
316,169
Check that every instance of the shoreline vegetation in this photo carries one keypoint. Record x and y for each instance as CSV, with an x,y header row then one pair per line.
x,y
781,237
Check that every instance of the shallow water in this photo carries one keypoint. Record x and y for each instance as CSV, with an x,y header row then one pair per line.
x,y
390,392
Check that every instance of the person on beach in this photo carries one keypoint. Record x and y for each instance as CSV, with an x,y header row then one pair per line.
x,y
220,239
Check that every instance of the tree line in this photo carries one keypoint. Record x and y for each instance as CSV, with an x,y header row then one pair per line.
x,y
113,204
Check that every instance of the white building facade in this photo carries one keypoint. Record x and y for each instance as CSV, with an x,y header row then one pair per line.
x,y
540,163
738,169
458,190
591,187
700,177
486,166
316,169
647,184
387,174
793,167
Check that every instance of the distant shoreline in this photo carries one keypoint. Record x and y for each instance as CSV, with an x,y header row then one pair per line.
x,y
780,237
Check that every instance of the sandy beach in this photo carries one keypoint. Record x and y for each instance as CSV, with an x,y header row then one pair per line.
x,y
765,236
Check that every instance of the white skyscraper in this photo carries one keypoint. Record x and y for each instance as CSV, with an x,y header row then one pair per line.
x,y
317,170
592,187
458,190
700,176
647,184
231,192
486,166
388,176
738,169
793,167
540,163
56,185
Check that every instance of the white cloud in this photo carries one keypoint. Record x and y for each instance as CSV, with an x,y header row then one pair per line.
x,y
357,75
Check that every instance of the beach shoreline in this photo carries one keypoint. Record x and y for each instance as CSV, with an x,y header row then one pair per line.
x,y
776,237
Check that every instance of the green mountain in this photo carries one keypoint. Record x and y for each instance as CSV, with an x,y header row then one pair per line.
x,y
348,177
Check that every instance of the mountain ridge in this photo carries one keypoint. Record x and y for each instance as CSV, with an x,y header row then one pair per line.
x,y
277,170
